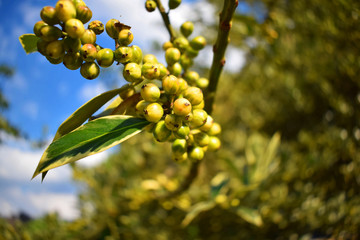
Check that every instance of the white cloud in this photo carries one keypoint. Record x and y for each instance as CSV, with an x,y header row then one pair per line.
x,y
91,90
31,109
235,59
94,160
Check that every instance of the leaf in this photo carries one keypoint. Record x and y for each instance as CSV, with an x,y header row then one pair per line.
x,y
29,42
250,215
86,111
196,210
93,137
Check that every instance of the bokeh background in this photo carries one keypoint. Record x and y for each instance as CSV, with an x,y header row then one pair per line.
x,y
288,102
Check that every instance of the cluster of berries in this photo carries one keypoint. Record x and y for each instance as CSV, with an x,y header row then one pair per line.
x,y
151,5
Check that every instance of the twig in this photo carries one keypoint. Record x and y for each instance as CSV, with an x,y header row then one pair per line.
x,y
166,20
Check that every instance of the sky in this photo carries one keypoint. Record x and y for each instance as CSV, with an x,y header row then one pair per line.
x,y
42,95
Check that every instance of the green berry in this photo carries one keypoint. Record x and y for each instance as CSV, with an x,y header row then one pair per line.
x,y
175,69
78,3
55,49
187,28
172,55
50,33
214,143
48,15
180,158
170,84
38,26
128,93
140,106
137,54
174,3
215,129
132,72
125,37
41,46
150,5
72,61
199,118
185,61
74,28
105,57
191,77
167,45
207,126
198,43
113,28
182,107
194,95
191,53
179,147
88,37
201,139
153,112
182,132
55,60
201,105
123,54
150,71
97,26
202,83
183,85
88,52
65,10
160,132
150,58
173,122
188,118
181,43
83,13
163,71
72,45
90,70
196,153
150,92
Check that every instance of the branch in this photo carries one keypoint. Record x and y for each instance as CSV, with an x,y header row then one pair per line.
x,y
219,51
165,17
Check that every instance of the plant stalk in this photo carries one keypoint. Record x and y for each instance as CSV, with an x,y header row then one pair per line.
x,y
166,19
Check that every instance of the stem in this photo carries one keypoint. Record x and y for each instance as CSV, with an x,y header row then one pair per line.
x,y
165,17
219,51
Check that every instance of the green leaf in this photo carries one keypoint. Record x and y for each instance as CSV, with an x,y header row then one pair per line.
x,y
86,111
29,42
196,210
250,215
93,137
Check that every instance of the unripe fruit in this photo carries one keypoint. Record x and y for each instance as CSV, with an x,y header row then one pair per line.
x,y
170,84
88,52
199,118
55,60
48,15
160,132
202,83
83,13
174,3
105,57
214,143
207,126
200,105
55,49
188,118
194,95
196,153
74,28
198,43
215,129
185,61
113,28
150,5
173,122
72,45
78,3
37,27
128,93
123,54
182,132
41,46
179,147
163,71
140,106
172,55
183,85
180,158
88,37
167,45
50,33
90,70
181,43
125,37
150,58
175,69
150,92
191,53
97,27
187,28
72,61
191,77
150,71
182,107
137,54
132,72
201,139
153,112
65,10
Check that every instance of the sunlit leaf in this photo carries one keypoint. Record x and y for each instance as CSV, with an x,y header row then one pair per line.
x,y
250,215
28,42
196,210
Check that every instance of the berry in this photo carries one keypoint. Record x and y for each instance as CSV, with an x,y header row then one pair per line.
x,y
97,27
182,107
137,54
105,57
175,69
153,112
174,3
207,126
50,33
173,122
167,45
37,28
214,143
181,43
123,54
201,139
78,3
83,13
215,129
150,5
72,61
128,93
41,46
150,58
187,28
183,85
199,118
160,132
88,52
202,83
196,153
179,147
90,70
125,37
88,37
65,10
188,117
185,61
150,71
55,49
132,72
194,95
74,28
48,15
191,53
55,60
150,92
180,158
182,132
113,28
72,45
170,84
201,105
198,43
140,106
163,71
172,55
191,77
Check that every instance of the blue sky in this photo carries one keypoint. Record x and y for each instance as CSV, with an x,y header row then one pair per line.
x,y
42,94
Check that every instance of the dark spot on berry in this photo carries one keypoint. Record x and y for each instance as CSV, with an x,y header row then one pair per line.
x,y
143,86
155,70
176,125
187,104
75,27
146,112
128,71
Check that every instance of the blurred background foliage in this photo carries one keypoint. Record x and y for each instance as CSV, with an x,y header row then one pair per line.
x,y
301,82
